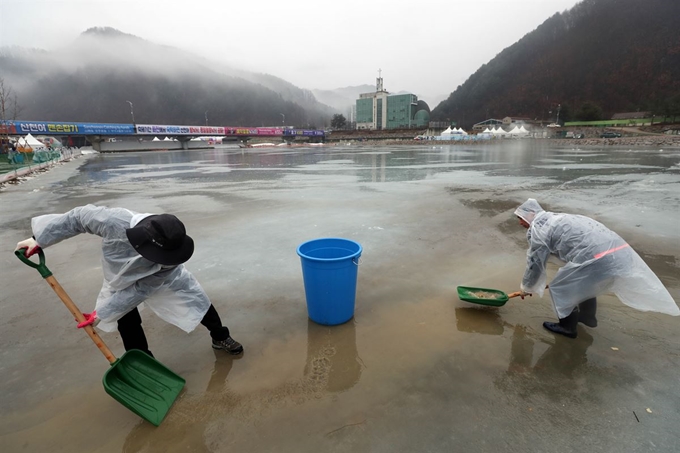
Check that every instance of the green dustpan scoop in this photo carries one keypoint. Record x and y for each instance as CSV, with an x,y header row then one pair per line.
x,y
484,296
143,385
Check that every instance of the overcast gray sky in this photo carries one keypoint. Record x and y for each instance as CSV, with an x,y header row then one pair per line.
x,y
422,46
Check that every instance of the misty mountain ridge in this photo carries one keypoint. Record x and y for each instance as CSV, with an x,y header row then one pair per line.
x,y
342,99
596,59
91,79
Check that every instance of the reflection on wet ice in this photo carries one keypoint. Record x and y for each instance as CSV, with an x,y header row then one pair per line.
x,y
479,320
332,356
333,365
556,372
187,433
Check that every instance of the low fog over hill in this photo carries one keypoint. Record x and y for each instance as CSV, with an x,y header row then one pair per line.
x,y
91,80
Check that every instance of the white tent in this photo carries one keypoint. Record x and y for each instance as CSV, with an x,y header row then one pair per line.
x,y
34,142
166,139
156,139
521,129
448,131
29,143
486,131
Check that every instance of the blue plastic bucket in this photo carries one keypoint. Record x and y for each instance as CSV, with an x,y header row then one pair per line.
x,y
329,271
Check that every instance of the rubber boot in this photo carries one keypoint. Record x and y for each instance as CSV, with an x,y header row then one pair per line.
x,y
586,312
566,326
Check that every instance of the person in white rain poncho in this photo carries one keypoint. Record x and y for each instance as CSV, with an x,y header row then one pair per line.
x,y
597,261
142,262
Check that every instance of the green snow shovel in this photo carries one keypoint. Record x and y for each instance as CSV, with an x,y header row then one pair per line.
x,y
136,380
485,296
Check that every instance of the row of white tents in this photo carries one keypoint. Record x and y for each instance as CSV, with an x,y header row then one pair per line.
x,y
457,133
168,139
454,131
500,132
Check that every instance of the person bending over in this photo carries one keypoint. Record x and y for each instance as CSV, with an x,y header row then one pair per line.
x,y
142,262
597,261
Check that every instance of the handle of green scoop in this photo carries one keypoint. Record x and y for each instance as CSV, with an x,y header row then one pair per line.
x,y
519,293
42,268
66,299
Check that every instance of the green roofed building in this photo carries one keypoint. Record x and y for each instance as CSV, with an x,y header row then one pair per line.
x,y
381,110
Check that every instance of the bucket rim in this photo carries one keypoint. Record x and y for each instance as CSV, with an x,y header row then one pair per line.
x,y
312,258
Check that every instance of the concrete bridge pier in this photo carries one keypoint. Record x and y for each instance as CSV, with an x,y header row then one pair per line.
x,y
184,141
96,141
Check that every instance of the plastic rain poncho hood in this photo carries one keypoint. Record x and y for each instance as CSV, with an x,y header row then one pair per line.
x,y
129,279
597,261
528,210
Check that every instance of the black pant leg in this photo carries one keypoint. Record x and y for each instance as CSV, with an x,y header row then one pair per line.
x,y
132,333
213,323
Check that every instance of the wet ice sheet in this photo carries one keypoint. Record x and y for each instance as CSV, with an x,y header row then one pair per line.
x,y
425,228
596,167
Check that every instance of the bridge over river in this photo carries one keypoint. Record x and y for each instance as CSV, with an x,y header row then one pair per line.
x,y
134,137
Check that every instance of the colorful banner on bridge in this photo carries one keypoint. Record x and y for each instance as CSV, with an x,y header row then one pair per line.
x,y
158,129
65,128
250,131
304,132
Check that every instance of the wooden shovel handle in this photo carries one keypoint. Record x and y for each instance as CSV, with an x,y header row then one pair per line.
x,y
80,318
517,293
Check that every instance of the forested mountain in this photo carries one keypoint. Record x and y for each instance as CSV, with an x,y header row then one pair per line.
x,y
599,58
92,79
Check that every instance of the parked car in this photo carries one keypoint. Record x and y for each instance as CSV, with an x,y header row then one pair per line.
x,y
610,135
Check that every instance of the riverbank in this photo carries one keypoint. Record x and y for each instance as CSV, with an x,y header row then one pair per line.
x,y
662,141
15,174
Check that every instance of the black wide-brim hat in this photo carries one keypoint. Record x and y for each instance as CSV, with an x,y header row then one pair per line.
x,y
162,239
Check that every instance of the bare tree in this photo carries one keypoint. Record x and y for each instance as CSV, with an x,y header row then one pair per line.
x,y
9,110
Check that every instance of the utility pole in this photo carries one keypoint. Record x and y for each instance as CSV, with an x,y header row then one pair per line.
x,y
132,112
283,119
206,117
558,114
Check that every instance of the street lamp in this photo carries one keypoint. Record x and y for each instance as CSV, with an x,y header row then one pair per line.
x,y
132,112
206,117
283,119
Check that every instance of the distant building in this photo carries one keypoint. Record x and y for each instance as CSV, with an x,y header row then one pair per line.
x,y
517,121
381,110
490,123
631,115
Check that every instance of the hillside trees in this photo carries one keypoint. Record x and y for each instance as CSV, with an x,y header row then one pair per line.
x,y
589,111
338,122
620,55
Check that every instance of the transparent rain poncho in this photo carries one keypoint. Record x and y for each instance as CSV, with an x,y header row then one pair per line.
x,y
597,261
129,279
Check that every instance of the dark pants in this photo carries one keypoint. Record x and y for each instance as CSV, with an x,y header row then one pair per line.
x,y
132,334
